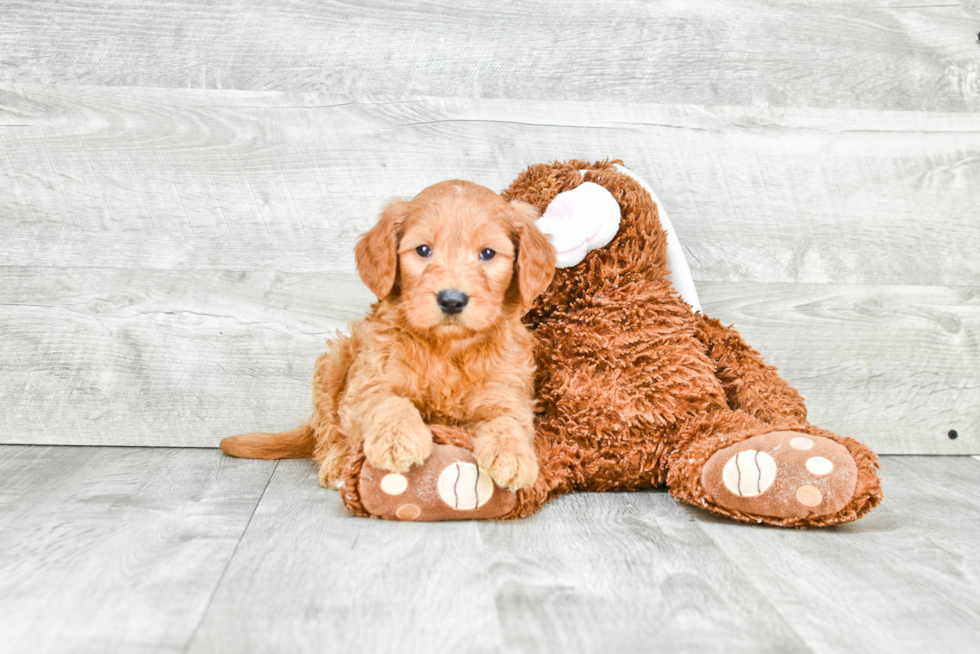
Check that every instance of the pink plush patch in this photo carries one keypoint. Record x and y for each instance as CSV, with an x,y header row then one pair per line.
x,y
579,221
562,208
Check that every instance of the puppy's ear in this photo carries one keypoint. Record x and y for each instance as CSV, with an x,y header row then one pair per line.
x,y
377,249
535,253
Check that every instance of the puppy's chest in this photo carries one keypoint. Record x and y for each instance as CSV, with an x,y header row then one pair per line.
x,y
444,393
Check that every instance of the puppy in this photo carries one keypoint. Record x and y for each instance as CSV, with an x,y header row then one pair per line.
x,y
454,269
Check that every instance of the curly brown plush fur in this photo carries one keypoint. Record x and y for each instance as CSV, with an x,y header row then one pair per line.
x,y
634,389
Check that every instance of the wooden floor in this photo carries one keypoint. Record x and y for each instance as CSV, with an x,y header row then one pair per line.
x,y
185,550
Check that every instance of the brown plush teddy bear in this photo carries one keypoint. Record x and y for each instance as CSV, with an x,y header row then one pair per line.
x,y
635,389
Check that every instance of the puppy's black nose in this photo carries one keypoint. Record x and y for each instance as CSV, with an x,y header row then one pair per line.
x,y
452,300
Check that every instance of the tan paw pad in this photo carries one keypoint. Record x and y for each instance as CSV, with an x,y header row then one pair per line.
x,y
465,486
448,486
801,443
408,512
394,483
819,465
782,474
809,495
749,473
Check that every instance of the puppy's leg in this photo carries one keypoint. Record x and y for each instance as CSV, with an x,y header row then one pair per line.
x,y
503,433
503,448
395,437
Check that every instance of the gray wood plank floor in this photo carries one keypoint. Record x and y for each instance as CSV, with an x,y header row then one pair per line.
x,y
140,549
116,550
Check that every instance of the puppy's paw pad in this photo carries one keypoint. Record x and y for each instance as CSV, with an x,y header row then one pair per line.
x,y
784,475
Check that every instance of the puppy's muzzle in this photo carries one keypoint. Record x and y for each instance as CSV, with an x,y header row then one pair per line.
x,y
452,301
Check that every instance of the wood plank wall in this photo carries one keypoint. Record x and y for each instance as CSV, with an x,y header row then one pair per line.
x,y
181,185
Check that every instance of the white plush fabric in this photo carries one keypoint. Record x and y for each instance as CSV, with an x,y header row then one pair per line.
x,y
680,272
579,221
587,218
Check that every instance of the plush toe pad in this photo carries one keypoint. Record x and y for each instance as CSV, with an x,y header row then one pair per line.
x,y
783,474
448,486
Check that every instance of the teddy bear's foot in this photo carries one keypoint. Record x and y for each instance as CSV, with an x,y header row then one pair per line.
x,y
785,475
449,485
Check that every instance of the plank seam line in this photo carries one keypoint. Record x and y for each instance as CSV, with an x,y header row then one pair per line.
x,y
526,124
231,558
773,606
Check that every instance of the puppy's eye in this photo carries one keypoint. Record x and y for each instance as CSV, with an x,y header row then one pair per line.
x,y
424,251
486,254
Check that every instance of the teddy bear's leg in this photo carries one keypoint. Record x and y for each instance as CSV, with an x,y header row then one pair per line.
x,y
784,473
750,384
449,485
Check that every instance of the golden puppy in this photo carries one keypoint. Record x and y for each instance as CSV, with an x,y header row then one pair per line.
x,y
454,270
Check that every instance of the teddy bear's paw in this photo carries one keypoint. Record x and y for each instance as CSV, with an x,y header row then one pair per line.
x,y
448,486
783,474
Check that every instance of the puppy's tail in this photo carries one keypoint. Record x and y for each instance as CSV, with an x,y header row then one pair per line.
x,y
293,444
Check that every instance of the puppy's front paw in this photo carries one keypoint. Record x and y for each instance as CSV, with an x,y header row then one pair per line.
x,y
503,451
397,439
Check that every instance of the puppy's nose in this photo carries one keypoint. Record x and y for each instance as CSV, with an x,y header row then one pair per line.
x,y
452,300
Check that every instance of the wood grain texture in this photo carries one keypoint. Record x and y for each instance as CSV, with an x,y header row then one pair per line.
x,y
896,367
309,577
173,550
116,550
866,54
143,178
617,572
150,357
902,579
624,572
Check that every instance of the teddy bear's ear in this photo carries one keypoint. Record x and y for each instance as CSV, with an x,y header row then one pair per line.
x,y
535,253
377,250
581,220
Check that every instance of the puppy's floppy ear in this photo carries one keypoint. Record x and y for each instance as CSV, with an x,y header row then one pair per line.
x,y
535,253
377,249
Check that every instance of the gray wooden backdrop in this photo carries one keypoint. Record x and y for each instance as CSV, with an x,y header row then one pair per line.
x,y
181,185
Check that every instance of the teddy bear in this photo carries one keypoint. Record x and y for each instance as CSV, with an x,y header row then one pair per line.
x,y
635,387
